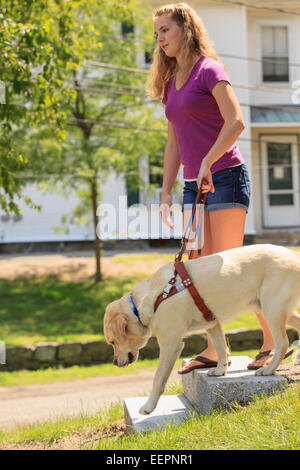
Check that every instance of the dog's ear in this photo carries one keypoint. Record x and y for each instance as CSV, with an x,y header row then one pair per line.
x,y
119,326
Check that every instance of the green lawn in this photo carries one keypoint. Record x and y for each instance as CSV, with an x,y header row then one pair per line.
x,y
49,309
52,374
268,423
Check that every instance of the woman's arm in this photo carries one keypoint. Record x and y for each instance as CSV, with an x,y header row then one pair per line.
x,y
233,126
171,168
233,121
171,161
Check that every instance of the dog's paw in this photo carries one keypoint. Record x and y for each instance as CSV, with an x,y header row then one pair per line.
x,y
216,372
264,371
146,409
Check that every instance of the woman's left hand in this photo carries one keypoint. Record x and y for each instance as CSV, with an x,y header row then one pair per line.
x,y
204,179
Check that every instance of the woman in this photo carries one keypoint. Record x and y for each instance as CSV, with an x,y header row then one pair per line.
x,y
204,121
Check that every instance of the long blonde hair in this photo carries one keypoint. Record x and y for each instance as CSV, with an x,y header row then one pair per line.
x,y
196,41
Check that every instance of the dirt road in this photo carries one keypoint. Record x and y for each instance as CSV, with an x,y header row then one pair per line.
x,y
79,266
21,405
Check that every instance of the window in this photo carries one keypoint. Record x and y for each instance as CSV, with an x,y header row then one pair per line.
x,y
280,172
156,169
275,54
148,57
127,28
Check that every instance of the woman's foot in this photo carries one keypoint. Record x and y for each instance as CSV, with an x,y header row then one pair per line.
x,y
198,362
264,358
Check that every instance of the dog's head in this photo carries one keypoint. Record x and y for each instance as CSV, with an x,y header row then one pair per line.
x,y
124,332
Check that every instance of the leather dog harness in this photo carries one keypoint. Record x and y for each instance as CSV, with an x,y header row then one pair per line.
x,y
186,282
171,288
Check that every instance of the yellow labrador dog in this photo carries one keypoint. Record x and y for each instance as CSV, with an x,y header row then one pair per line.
x,y
262,278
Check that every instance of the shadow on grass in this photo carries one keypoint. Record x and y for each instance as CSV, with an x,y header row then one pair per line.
x,y
51,307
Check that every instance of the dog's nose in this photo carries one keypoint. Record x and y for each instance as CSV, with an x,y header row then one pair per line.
x,y
115,362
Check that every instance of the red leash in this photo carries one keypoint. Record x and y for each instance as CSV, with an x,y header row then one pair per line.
x,y
186,282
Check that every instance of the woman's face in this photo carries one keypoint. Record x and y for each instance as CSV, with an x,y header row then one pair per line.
x,y
169,35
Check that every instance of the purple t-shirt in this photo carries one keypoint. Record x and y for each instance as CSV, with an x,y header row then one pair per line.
x,y
196,117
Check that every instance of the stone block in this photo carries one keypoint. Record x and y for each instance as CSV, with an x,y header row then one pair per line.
x,y
193,344
151,350
96,352
18,357
239,385
170,409
69,351
45,352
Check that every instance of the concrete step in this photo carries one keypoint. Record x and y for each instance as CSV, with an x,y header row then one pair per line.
x,y
239,385
202,394
170,408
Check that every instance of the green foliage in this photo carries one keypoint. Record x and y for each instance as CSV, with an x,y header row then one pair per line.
x,y
39,45
47,309
50,121
68,123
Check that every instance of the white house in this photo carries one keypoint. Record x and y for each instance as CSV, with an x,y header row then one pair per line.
x,y
259,47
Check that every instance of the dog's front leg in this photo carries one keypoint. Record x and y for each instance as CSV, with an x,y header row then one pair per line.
x,y
217,337
168,355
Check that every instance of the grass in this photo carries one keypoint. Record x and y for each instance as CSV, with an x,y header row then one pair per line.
x,y
49,431
46,308
265,424
130,260
51,375
76,312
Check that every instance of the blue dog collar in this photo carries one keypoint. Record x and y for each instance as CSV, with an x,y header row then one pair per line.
x,y
134,309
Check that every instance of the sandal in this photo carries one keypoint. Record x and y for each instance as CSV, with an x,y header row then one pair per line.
x,y
206,364
269,353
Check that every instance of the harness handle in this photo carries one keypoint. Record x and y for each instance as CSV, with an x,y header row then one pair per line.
x,y
186,282
202,198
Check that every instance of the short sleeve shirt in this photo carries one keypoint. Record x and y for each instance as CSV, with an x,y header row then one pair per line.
x,y
196,117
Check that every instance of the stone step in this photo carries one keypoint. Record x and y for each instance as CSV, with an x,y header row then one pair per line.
x,y
170,408
239,385
202,394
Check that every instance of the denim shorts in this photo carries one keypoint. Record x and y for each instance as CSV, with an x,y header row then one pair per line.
x,y
232,189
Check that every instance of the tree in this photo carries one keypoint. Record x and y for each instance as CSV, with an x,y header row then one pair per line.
x,y
41,42
104,116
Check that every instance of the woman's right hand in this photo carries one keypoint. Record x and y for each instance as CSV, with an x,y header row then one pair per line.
x,y
165,210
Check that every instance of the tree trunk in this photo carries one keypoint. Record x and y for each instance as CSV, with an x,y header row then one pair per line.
x,y
97,240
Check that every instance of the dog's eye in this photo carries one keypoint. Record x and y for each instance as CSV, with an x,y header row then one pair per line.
x,y
112,342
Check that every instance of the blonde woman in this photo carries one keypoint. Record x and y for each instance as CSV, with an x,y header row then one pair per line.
x,y
204,121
